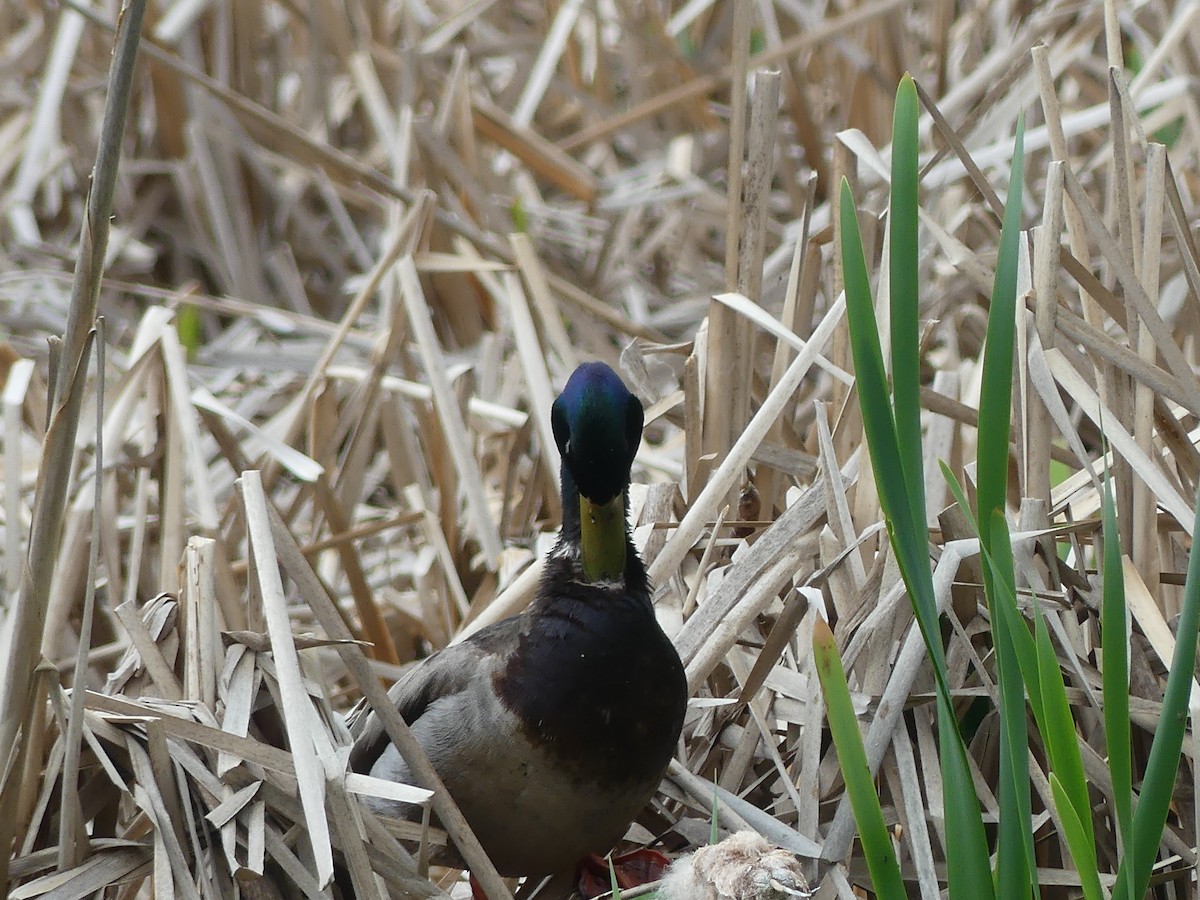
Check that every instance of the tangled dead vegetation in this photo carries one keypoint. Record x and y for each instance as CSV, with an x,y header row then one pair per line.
x,y
354,249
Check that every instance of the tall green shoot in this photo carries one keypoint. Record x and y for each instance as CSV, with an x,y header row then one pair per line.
x,y
843,725
1158,785
1024,661
894,443
1115,674
1016,876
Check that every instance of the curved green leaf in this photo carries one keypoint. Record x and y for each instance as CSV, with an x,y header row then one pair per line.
x,y
1115,685
1079,839
843,725
904,270
1158,785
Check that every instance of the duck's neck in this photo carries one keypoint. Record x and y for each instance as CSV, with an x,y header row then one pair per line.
x,y
571,530
613,535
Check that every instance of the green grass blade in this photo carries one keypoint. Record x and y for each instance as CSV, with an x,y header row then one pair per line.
x,y
1043,677
843,725
870,377
1014,850
874,400
968,865
904,292
1057,725
714,833
1016,876
1079,839
893,439
612,878
1115,675
1158,785
995,400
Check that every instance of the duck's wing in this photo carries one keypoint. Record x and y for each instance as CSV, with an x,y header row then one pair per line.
x,y
450,671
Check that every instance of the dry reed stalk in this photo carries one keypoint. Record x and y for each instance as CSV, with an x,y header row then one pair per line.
x,y
724,413
54,471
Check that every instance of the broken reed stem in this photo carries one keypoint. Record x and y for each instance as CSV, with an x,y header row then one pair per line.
x,y
53,474
753,209
742,15
725,328
756,190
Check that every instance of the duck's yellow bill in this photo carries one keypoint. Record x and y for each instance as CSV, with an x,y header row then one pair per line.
x,y
602,538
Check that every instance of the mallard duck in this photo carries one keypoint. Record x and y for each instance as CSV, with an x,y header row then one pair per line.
x,y
553,728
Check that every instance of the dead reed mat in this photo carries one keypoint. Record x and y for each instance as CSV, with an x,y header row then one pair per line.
x,y
356,247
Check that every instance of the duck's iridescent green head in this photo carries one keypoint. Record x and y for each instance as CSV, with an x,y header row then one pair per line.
x,y
598,426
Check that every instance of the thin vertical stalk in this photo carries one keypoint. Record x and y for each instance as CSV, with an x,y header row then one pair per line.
x,y
53,475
